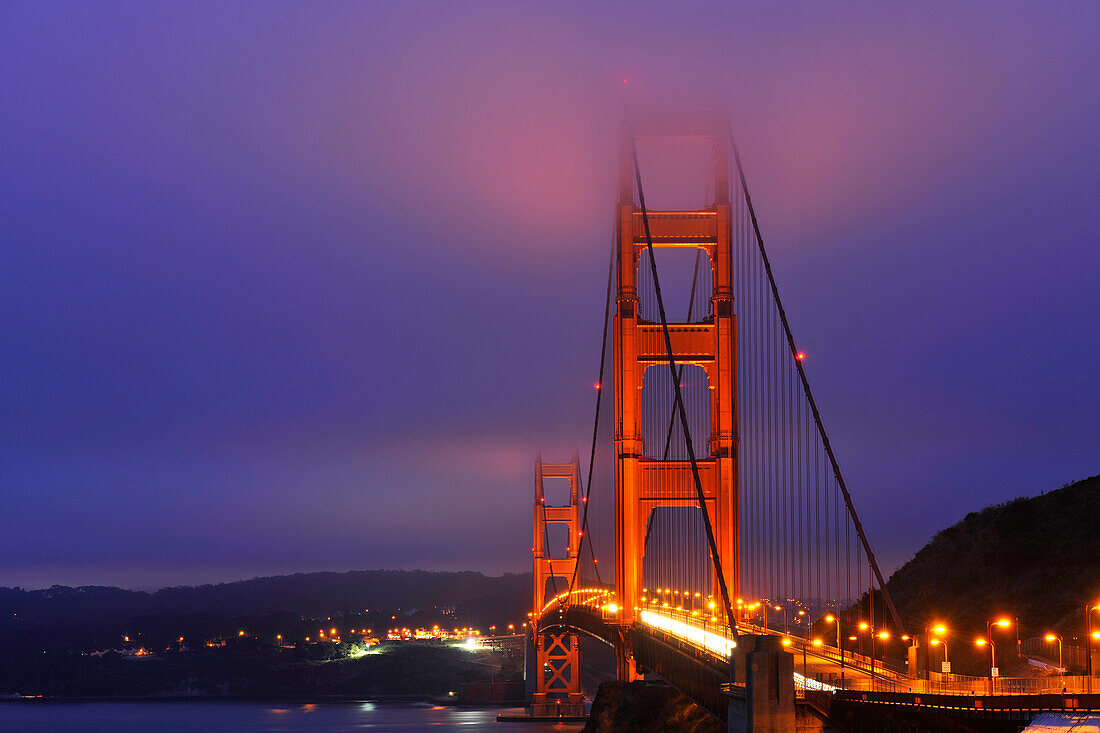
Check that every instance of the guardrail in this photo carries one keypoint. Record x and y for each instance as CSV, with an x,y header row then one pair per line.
x,y
883,678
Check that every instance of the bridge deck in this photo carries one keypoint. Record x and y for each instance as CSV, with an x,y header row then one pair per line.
x,y
694,656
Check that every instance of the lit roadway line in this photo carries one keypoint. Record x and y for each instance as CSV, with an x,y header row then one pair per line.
x,y
708,640
721,646
714,642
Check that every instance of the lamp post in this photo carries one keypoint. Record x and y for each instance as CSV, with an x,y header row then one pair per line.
x,y
942,643
932,643
885,636
786,627
854,638
940,630
864,626
830,618
1057,638
992,658
805,641
1004,623
1088,645
816,642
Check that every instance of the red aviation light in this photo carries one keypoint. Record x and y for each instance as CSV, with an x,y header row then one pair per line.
x,y
800,355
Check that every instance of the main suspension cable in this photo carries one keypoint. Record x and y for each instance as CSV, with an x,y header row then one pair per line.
x,y
585,533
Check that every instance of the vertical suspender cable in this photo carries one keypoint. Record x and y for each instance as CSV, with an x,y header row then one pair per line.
x,y
810,398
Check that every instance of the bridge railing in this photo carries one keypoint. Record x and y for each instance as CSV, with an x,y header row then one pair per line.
x,y
717,636
965,685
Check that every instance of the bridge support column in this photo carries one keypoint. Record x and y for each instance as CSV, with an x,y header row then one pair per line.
x,y
768,704
558,677
626,669
648,477
557,667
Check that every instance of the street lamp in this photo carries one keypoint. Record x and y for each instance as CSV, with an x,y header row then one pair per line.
x,y
1088,645
786,627
1058,638
864,626
934,642
885,636
1004,623
992,658
940,630
830,618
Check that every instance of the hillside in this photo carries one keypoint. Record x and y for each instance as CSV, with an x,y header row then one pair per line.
x,y
1035,558
306,594
63,618
74,641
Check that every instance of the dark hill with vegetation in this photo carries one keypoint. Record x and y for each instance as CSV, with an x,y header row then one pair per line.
x,y
253,637
303,594
63,619
1035,558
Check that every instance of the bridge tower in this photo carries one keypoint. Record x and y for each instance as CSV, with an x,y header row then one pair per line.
x,y
644,484
557,688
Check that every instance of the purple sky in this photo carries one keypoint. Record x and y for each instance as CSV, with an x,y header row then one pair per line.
x,y
304,286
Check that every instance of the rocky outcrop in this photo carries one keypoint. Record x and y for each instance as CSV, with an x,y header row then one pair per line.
x,y
642,706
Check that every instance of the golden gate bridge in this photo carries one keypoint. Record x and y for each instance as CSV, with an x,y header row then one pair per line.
x,y
711,538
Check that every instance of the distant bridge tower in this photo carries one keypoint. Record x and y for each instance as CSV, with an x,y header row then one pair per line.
x,y
557,688
644,484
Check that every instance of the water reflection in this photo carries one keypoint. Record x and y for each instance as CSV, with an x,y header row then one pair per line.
x,y
224,717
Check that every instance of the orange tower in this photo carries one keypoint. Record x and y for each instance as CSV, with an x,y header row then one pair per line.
x,y
557,688
643,484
